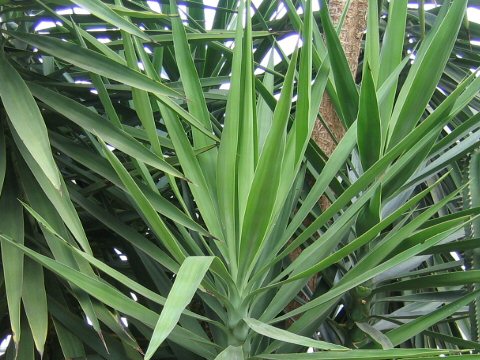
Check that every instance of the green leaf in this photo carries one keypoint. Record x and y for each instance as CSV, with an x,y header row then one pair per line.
x,y
141,290
443,224
247,147
193,91
375,335
418,138
391,55
344,83
457,278
425,73
141,100
264,113
227,153
372,43
286,336
95,287
421,17
104,66
357,355
384,91
200,169
383,249
48,210
370,215
34,300
59,199
302,115
362,276
95,63
406,331
380,219
369,132
75,328
100,166
474,189
70,344
202,193
102,11
92,40
333,165
145,207
11,224
210,35
264,189
27,120
450,107
463,344
365,238
25,348
187,281
94,123
122,10
3,157
123,230
231,353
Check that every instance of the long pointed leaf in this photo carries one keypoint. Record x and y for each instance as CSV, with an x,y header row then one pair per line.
x,y
27,120
231,353
146,208
34,300
425,73
283,335
94,62
11,224
94,123
369,132
404,332
186,283
103,12
344,83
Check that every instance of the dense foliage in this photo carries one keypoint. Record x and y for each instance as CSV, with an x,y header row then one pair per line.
x,y
157,176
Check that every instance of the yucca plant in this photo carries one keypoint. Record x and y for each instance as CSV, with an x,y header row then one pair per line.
x,y
150,211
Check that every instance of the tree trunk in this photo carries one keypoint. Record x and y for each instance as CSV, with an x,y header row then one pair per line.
x,y
351,36
351,39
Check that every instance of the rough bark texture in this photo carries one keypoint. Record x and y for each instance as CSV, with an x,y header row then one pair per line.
x,y
351,39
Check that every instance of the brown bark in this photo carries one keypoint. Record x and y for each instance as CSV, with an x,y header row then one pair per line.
x,y
351,39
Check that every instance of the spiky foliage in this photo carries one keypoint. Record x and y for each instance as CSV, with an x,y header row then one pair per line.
x,y
149,211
